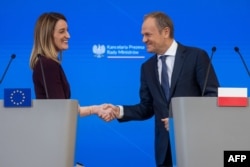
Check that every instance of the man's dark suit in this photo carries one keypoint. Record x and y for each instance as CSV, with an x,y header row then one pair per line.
x,y
56,81
188,77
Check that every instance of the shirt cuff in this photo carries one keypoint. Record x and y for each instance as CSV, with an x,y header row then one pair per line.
x,y
121,112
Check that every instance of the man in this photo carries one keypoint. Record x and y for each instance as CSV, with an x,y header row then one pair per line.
x,y
186,71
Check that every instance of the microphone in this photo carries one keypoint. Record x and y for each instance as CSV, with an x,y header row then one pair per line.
x,y
13,56
237,50
43,76
208,70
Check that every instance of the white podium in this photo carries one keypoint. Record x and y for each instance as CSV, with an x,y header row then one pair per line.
x,y
40,136
203,131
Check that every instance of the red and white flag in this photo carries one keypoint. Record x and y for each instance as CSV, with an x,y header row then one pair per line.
x,y
232,97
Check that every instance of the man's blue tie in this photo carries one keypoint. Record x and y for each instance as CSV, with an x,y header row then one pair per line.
x,y
164,76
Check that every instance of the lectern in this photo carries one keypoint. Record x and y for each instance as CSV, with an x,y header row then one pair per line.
x,y
203,131
40,136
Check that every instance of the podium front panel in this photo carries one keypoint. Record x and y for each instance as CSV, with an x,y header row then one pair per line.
x,y
42,136
203,131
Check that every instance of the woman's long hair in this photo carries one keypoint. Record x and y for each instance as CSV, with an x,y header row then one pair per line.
x,y
43,38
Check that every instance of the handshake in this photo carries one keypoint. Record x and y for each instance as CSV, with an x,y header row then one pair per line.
x,y
107,112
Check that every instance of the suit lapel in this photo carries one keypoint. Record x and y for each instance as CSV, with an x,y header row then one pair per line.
x,y
178,64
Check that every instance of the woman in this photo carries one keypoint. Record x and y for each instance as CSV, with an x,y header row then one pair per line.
x,y
50,39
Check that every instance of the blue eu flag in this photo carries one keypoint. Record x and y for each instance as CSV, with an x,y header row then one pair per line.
x,y
17,97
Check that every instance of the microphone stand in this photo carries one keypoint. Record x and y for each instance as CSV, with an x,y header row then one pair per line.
x,y
5,71
208,70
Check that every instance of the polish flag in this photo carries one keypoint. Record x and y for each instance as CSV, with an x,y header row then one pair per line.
x,y
232,97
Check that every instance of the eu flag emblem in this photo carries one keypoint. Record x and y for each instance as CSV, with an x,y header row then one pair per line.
x,y
17,97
